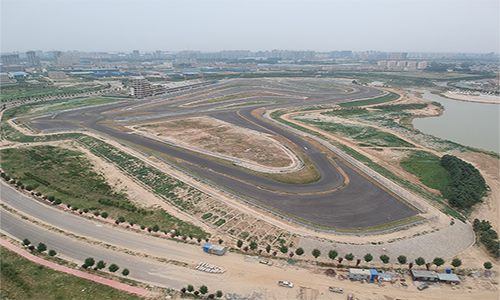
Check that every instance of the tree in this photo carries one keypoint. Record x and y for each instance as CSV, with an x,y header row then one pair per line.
x,y
89,262
104,215
299,251
125,272
113,268
41,247
284,249
239,243
101,265
156,228
220,241
487,265
384,258
52,252
26,242
368,257
268,248
420,261
438,261
332,254
349,256
402,259
316,253
456,262
253,245
190,288
203,289
219,294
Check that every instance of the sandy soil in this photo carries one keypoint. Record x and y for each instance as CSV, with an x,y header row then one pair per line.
x,y
473,98
248,148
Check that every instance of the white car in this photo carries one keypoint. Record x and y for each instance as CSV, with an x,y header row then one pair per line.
x,y
285,283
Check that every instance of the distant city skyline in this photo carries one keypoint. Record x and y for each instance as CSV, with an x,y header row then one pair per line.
x,y
441,26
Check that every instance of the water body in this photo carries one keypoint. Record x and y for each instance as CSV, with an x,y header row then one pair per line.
x,y
468,123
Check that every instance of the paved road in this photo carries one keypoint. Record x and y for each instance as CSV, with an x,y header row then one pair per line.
x,y
351,207
444,243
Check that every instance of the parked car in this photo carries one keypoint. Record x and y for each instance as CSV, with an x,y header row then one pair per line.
x,y
285,284
422,287
350,297
404,285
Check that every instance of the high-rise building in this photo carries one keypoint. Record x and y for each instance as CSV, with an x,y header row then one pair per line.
x,y
135,55
10,59
33,60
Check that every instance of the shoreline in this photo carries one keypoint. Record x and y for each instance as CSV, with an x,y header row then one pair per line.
x,y
468,98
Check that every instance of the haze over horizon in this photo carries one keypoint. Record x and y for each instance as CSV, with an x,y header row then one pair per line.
x,y
209,26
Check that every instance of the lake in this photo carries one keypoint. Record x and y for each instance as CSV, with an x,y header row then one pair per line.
x,y
468,123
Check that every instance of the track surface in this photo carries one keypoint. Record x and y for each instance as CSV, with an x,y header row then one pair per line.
x,y
360,204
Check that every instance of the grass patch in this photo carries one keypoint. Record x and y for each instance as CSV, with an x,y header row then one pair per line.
x,y
386,98
69,178
428,169
24,279
359,133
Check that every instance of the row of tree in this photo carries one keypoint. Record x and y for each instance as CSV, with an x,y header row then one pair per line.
x,y
468,185
89,262
487,236
202,290
333,254
40,248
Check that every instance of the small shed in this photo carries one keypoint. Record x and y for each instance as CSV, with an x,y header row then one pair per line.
x,y
359,274
425,276
448,278
214,249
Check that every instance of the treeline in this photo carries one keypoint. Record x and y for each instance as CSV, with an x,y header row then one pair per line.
x,y
467,186
487,236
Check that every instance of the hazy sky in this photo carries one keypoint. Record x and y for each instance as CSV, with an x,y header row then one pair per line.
x,y
171,25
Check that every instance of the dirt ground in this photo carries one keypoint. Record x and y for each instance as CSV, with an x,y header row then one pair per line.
x,y
255,150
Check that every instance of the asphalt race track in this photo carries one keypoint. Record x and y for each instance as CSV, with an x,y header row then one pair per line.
x,y
358,205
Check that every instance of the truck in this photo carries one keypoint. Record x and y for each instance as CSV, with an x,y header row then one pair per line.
x,y
336,290
214,249
285,284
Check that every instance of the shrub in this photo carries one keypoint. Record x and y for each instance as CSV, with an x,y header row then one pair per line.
x,y
113,268
96,213
104,215
57,201
203,289
190,288
333,254
26,242
125,272
156,228
487,265
41,247
52,252
316,253
239,243
219,294
121,219
101,265
284,249
29,188
89,262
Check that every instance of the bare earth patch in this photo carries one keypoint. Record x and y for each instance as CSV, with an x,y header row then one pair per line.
x,y
254,149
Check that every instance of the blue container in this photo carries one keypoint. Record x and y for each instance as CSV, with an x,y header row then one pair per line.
x,y
448,271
